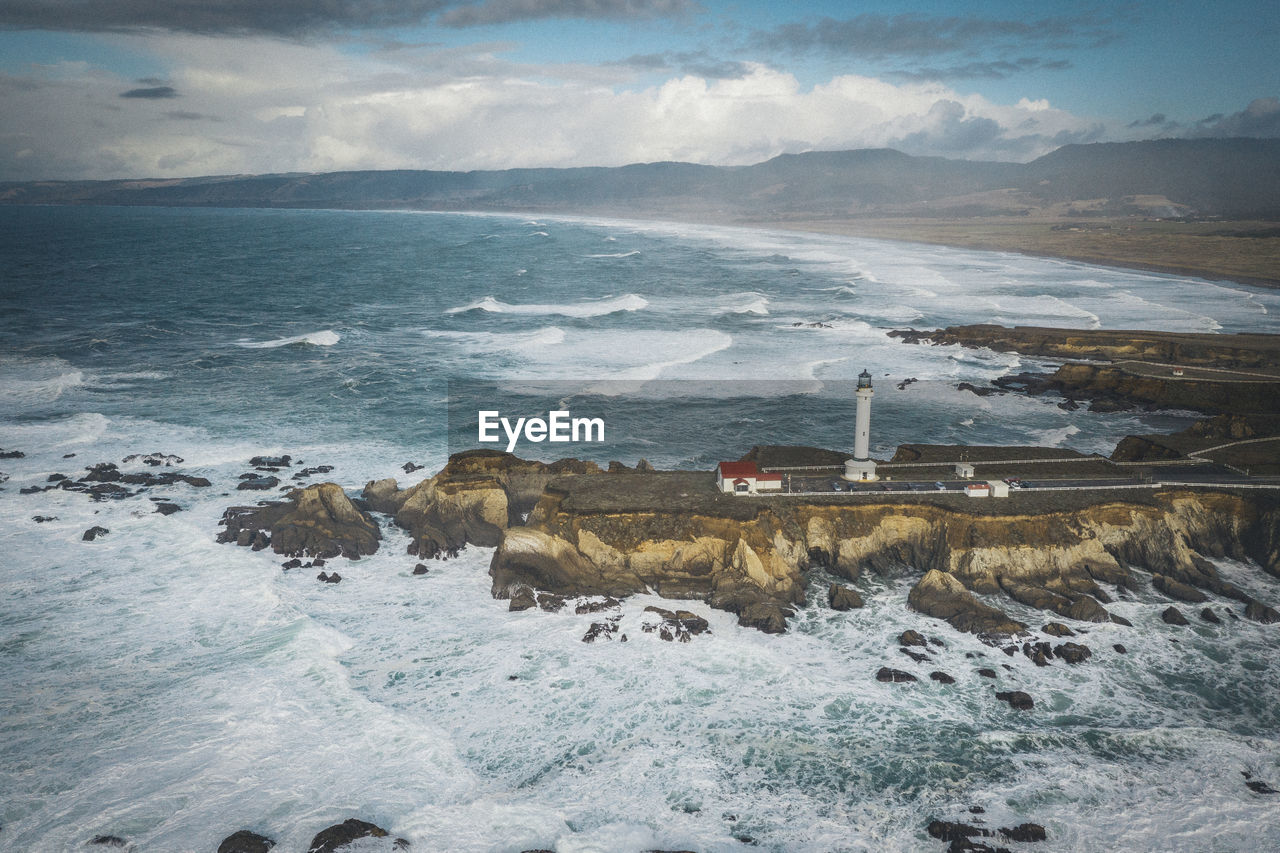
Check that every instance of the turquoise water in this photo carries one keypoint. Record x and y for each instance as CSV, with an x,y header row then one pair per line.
x,y
161,687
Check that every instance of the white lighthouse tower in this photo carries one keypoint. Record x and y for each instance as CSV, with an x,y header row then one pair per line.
x,y
861,466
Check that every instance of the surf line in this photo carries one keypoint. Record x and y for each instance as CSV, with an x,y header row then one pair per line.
x,y
558,427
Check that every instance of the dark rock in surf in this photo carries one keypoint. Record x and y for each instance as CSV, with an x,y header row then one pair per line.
x,y
1120,648
522,599
167,508
254,483
918,657
1017,700
1209,616
41,519
1179,590
15,454
108,841
895,676
341,834
420,569
595,606
329,577
766,616
1259,612
94,532
410,467
600,631
987,673
912,638
679,625
1057,629
1173,616
245,841
295,563
318,521
271,461
941,677
1073,652
1025,833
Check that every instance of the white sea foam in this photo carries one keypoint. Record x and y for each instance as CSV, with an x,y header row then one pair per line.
x,y
742,303
323,338
633,253
586,308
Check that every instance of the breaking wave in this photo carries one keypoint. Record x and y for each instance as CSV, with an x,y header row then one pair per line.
x,y
324,338
588,308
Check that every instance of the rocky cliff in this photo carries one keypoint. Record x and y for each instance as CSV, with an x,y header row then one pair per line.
x,y
1069,562
473,499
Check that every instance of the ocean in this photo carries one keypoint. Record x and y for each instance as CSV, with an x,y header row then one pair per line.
x,y
169,690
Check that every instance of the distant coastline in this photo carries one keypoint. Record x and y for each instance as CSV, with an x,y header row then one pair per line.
x,y
1202,249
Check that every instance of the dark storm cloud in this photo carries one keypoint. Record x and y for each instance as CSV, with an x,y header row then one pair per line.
x,y
880,36
697,63
1155,121
298,17
982,70
504,11
151,93
1261,119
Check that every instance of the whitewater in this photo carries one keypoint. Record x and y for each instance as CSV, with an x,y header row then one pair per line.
x,y
169,690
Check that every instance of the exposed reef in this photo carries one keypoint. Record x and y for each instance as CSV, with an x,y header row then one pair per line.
x,y
1219,374
1242,351
318,521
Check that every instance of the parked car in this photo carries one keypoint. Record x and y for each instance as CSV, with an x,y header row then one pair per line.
x,y
938,485
837,486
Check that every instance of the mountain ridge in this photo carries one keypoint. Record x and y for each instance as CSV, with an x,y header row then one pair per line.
x,y
1170,178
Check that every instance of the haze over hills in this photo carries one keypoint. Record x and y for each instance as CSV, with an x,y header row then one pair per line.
x,y
1216,178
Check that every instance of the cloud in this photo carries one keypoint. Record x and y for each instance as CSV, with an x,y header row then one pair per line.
x,y
878,36
1261,119
696,63
505,11
151,93
1156,120
299,17
306,107
998,70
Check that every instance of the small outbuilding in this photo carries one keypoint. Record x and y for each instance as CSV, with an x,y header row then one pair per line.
x,y
964,470
978,490
744,478
999,488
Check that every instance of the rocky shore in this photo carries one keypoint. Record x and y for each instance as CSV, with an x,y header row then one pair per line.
x,y
569,529
1122,369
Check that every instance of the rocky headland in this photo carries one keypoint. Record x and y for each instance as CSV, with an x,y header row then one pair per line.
x,y
1236,374
570,529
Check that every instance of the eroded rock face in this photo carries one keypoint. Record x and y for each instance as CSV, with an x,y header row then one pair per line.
x,y
942,596
752,561
473,499
318,521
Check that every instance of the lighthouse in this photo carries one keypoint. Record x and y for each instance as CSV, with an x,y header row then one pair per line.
x,y
861,466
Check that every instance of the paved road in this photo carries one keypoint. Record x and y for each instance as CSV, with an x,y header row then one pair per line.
x,y
812,484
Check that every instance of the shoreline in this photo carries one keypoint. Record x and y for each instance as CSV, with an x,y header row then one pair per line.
x,y
993,238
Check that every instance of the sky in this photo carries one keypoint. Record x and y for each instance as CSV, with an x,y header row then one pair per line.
x,y
94,89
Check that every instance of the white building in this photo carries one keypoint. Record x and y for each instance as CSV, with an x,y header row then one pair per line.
x,y
744,478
